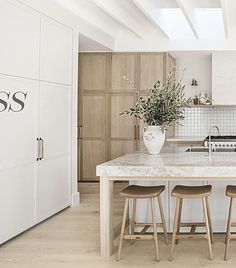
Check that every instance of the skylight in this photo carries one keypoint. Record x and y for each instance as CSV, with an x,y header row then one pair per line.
x,y
209,22
173,22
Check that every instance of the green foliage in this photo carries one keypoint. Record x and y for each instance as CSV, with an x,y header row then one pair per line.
x,y
163,104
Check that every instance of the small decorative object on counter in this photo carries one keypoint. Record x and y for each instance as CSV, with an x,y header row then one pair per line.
x,y
203,98
194,82
195,100
163,105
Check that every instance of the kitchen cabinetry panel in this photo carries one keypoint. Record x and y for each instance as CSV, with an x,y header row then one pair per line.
x,y
93,113
56,52
17,200
20,35
122,126
219,205
151,69
103,94
223,78
93,71
122,147
54,127
17,141
123,64
53,186
93,154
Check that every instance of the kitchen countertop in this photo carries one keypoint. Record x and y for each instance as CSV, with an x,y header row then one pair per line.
x,y
187,166
171,165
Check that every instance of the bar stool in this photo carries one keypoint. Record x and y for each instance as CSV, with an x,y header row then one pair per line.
x,y
230,192
191,192
135,192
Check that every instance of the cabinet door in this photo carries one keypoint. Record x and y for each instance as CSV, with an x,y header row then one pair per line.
x,y
54,129
17,117
170,63
93,72
94,152
151,69
53,186
20,36
223,77
55,52
124,64
17,200
219,206
92,116
93,134
122,127
18,113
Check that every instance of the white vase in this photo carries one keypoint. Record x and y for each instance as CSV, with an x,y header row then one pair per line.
x,y
153,138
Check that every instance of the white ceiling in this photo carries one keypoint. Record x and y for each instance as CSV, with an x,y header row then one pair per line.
x,y
134,25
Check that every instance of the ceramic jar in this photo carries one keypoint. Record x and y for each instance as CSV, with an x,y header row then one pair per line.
x,y
153,138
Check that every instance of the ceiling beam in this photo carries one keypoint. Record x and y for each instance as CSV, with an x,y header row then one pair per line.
x,y
187,10
112,8
224,14
146,7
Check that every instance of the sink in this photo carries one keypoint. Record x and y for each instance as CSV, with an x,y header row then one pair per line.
x,y
205,149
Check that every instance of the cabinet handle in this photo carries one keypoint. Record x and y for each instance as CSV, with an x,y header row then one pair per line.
x,y
38,148
138,133
80,132
42,149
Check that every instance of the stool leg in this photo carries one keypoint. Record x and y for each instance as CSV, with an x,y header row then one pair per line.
x,y
155,228
123,228
174,228
207,227
163,218
209,219
227,238
133,220
179,218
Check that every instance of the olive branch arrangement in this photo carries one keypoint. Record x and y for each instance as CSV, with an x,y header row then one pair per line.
x,y
163,104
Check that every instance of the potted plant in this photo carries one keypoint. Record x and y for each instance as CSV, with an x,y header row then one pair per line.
x,y
162,105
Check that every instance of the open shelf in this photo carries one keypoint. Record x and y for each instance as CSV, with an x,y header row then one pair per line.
x,y
212,106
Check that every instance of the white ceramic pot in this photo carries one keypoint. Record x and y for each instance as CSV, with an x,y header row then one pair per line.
x,y
153,138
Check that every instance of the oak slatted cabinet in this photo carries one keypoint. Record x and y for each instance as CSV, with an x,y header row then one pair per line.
x,y
103,93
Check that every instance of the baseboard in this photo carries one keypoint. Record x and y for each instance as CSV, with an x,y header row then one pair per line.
x,y
75,199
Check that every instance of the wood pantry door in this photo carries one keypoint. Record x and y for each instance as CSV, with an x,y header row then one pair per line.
x,y
92,134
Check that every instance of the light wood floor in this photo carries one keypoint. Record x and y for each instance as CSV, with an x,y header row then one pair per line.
x,y
71,239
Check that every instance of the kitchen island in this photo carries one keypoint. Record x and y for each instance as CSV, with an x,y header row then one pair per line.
x,y
166,167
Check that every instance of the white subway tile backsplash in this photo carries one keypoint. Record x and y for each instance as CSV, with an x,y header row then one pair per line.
x,y
198,120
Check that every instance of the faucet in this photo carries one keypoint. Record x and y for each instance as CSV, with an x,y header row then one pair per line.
x,y
209,145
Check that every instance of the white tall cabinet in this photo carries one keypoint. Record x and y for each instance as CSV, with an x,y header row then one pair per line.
x,y
35,102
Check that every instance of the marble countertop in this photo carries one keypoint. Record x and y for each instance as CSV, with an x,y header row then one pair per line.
x,y
171,165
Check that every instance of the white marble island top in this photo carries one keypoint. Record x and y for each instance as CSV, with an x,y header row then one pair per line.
x,y
171,165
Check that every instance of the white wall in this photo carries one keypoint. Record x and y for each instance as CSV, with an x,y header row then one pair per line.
x,y
198,65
